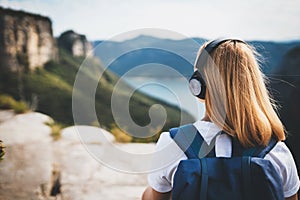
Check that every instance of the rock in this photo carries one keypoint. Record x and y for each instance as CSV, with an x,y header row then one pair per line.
x,y
84,177
88,134
75,43
37,167
26,129
26,40
6,114
27,166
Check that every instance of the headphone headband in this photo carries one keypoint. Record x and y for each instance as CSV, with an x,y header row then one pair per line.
x,y
197,84
210,47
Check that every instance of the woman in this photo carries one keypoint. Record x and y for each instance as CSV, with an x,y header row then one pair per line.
x,y
237,102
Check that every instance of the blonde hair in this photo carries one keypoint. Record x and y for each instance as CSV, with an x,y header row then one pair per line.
x,y
237,99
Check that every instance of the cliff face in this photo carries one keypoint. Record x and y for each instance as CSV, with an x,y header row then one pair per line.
x,y
75,43
26,40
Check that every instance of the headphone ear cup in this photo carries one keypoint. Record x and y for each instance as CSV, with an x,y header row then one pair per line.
x,y
197,86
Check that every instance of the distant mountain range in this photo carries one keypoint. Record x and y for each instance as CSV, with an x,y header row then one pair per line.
x,y
121,57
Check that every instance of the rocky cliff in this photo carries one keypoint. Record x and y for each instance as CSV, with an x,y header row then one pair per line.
x,y
26,40
75,43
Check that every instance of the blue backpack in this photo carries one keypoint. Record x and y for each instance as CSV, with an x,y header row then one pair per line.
x,y
244,176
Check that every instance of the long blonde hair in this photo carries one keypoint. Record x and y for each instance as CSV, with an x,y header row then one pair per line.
x,y
237,99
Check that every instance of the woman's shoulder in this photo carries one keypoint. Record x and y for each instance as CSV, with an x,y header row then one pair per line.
x,y
164,140
281,156
283,161
280,149
167,145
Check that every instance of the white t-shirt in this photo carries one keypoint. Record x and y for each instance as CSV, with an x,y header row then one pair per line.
x,y
280,156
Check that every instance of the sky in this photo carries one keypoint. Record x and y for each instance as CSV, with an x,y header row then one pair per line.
x,y
275,20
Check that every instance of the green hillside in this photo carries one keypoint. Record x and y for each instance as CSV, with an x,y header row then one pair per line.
x,y
49,90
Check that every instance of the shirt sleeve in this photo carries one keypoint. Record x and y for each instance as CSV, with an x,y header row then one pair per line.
x,y
161,180
283,161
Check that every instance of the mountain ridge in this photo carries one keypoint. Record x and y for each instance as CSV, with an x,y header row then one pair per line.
x,y
271,51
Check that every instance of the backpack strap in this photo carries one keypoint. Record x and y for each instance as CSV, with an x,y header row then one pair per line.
x,y
191,142
259,151
263,151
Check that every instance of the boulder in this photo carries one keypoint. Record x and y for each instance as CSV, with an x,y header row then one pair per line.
x,y
37,167
26,168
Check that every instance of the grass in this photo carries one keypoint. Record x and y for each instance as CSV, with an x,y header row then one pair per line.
x,y
120,135
8,102
55,129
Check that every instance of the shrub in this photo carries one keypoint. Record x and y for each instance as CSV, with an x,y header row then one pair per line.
x,y
20,107
7,102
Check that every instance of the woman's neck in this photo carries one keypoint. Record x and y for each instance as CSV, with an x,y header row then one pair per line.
x,y
206,118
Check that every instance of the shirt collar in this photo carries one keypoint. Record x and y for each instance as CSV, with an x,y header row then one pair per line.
x,y
208,130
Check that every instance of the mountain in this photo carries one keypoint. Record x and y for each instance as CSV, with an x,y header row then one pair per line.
x,y
41,71
121,57
52,88
272,53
